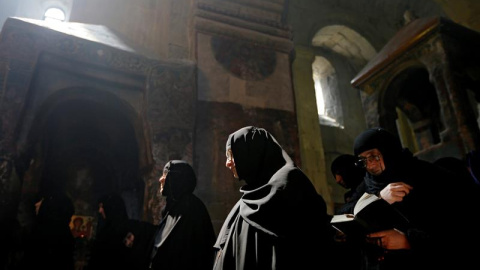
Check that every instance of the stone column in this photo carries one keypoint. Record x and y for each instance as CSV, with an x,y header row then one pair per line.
x,y
311,144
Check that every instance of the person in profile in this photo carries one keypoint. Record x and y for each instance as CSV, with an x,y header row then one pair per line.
x,y
51,244
115,246
280,221
349,176
185,235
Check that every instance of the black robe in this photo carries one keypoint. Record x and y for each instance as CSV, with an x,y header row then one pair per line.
x,y
280,222
109,250
51,244
434,207
185,236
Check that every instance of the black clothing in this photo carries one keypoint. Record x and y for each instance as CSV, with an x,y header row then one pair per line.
x,y
185,237
344,165
473,163
348,253
280,222
379,138
51,243
139,253
463,175
109,250
348,207
352,175
432,207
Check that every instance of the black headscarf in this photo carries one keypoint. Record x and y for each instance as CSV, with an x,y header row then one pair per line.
x,y
180,180
279,214
114,208
109,250
257,155
387,143
185,236
344,165
395,157
57,208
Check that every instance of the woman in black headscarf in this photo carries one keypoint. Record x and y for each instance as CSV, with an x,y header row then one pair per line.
x,y
349,176
185,236
429,196
280,222
109,250
120,242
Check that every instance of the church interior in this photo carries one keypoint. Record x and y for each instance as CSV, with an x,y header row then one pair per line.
x,y
97,96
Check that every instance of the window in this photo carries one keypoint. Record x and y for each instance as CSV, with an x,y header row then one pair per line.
x,y
328,101
336,42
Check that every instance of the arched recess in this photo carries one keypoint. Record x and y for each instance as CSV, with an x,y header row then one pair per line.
x,y
347,43
410,106
344,51
87,142
344,41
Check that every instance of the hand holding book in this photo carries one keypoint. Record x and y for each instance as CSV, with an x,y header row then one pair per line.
x,y
371,214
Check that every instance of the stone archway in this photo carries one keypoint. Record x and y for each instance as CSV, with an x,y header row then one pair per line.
x,y
90,114
83,142
85,139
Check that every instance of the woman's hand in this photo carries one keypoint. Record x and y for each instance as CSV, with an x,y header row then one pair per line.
x,y
389,239
394,192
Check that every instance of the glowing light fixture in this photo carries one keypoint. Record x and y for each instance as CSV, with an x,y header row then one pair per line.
x,y
54,15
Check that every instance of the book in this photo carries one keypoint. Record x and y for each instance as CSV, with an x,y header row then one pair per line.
x,y
370,214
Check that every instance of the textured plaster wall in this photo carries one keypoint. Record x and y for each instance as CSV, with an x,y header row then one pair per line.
x,y
160,27
274,91
244,79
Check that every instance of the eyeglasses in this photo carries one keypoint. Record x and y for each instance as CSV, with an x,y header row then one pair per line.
x,y
363,161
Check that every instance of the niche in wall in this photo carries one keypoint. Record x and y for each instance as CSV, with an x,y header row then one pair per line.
x,y
411,95
419,86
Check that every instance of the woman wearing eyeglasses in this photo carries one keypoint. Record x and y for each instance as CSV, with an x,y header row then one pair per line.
x,y
426,195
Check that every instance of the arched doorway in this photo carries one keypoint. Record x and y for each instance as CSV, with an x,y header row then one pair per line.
x,y
83,142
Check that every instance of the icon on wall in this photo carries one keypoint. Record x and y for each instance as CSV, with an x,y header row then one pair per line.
x,y
81,226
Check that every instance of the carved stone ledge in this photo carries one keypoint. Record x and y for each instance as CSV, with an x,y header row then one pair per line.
x,y
236,22
245,13
259,39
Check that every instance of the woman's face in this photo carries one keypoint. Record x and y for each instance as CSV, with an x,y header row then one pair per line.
x,y
231,163
373,161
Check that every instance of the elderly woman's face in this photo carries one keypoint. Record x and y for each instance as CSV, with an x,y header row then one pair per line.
x,y
373,161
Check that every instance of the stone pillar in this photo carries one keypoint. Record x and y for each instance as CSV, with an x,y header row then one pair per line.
x,y
311,145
